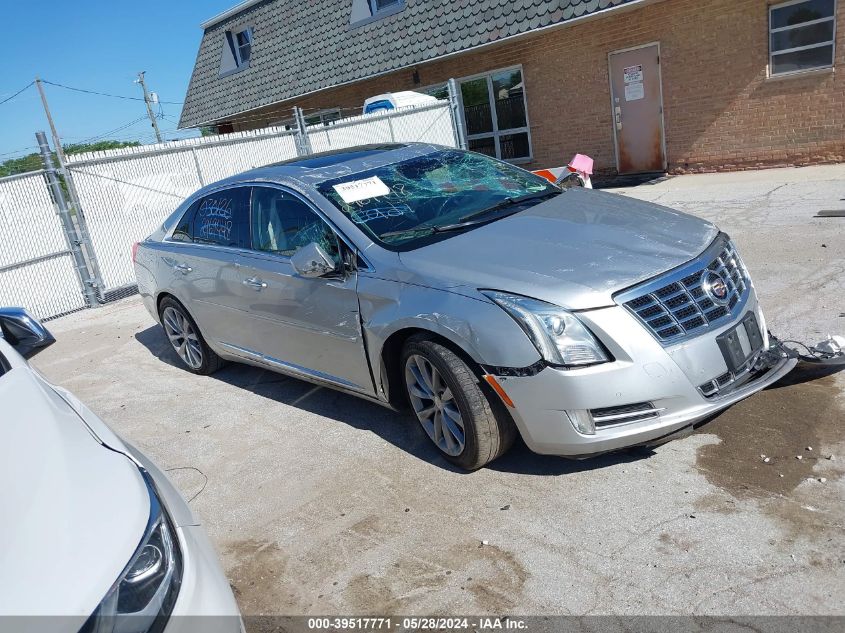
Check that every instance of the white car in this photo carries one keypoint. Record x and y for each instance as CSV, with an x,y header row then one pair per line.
x,y
91,529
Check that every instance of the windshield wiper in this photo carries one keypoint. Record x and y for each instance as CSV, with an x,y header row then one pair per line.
x,y
413,230
471,218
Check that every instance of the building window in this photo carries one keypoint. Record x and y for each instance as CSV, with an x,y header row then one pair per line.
x,y
237,51
367,11
496,116
381,5
801,36
243,46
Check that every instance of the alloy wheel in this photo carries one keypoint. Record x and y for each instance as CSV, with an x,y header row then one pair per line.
x,y
182,337
435,405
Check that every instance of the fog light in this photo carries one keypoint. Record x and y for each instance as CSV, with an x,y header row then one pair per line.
x,y
582,421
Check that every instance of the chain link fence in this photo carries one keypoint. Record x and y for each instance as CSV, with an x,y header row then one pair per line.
x,y
36,265
121,196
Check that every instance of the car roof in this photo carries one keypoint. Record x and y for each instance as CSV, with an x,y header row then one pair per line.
x,y
316,168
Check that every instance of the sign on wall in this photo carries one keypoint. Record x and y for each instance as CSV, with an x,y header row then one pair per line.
x,y
633,77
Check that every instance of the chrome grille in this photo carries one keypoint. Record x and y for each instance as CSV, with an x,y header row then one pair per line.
x,y
681,308
729,381
625,414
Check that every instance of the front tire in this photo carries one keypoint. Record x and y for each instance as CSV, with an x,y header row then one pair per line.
x,y
187,341
448,401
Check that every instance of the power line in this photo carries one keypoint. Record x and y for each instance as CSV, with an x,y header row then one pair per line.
x,y
20,151
110,132
102,94
17,93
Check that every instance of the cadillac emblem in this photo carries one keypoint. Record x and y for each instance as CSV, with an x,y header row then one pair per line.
x,y
715,287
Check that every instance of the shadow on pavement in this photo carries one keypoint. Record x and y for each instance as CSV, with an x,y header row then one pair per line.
x,y
398,428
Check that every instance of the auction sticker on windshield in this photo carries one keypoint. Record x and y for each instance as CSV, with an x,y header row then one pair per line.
x,y
357,190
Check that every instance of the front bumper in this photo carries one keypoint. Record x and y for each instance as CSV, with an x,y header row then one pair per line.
x,y
668,378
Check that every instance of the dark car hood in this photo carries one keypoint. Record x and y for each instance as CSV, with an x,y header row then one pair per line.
x,y
575,250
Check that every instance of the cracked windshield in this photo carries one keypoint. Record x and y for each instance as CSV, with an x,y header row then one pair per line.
x,y
424,199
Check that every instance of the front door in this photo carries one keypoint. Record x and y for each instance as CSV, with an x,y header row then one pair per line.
x,y
308,326
637,102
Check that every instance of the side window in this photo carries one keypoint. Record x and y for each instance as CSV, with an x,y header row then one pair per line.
x,y
282,223
182,232
222,218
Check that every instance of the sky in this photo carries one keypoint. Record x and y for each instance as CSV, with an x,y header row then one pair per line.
x,y
96,45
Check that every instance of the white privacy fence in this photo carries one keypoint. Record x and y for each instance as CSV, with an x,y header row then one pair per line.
x,y
424,125
125,194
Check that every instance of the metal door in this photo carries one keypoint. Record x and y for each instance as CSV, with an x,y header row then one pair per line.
x,y
637,102
205,271
306,326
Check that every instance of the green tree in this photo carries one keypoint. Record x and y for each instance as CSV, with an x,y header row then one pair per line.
x,y
32,162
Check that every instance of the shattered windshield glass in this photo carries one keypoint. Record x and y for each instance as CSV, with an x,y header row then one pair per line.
x,y
415,202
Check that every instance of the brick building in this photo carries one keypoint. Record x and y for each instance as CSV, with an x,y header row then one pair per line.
x,y
640,85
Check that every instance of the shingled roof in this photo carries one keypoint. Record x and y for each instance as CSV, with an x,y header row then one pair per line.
x,y
301,46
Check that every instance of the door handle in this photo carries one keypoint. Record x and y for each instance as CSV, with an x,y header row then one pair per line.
x,y
183,268
618,112
254,282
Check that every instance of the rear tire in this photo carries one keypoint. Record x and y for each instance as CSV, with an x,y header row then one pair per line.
x,y
186,339
448,401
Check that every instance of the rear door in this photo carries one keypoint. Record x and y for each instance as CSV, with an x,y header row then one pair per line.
x,y
309,326
204,263
637,103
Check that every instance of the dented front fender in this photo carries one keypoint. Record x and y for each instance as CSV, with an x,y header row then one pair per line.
x,y
480,328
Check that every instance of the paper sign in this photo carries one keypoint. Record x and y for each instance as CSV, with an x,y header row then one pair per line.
x,y
356,190
634,91
633,73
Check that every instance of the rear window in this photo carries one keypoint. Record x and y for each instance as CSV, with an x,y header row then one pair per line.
x,y
222,218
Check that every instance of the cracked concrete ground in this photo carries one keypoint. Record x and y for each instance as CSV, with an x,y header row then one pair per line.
x,y
320,503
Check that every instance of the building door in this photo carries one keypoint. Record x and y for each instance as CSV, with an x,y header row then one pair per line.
x,y
637,101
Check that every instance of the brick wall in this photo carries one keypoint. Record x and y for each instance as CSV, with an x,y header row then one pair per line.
x,y
720,109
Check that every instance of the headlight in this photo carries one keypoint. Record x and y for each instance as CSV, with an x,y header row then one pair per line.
x,y
557,334
141,600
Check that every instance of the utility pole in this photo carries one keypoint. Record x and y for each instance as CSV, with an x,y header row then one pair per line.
x,y
83,273
140,80
60,152
74,195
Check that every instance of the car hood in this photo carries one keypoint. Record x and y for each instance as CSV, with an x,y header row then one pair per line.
x,y
575,250
74,510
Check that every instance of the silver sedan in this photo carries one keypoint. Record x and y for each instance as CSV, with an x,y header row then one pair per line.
x,y
486,299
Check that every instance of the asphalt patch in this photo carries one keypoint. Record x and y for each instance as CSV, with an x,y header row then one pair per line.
x,y
780,422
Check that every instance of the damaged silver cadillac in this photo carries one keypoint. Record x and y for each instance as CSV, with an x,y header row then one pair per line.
x,y
489,300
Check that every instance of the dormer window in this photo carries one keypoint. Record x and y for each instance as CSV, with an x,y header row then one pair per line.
x,y
237,51
366,11
381,5
243,44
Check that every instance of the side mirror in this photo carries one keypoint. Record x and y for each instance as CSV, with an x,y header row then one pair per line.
x,y
24,332
567,181
312,261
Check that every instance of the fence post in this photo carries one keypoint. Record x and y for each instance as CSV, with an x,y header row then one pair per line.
x,y
82,270
303,144
457,117
197,165
86,242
